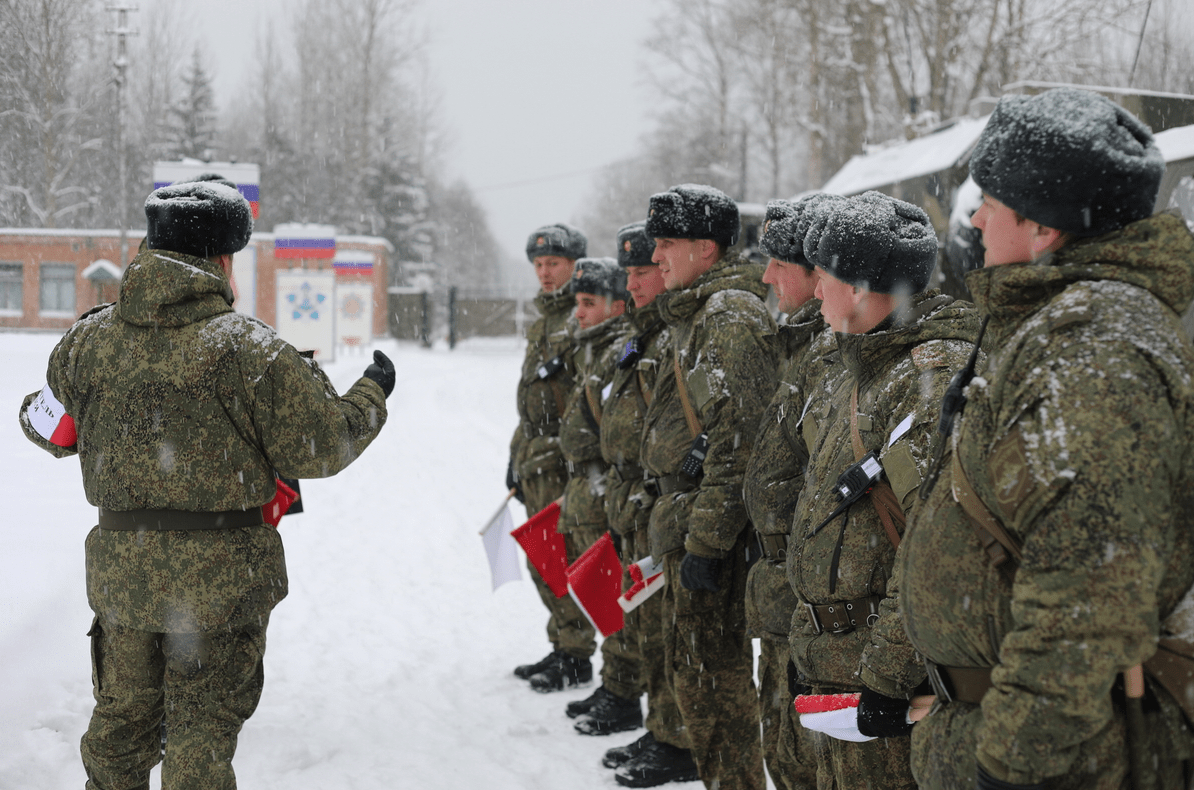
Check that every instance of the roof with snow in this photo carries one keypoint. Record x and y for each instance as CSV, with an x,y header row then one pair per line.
x,y
1176,144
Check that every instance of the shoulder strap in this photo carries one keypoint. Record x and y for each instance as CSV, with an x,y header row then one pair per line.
x,y
997,543
882,497
594,405
694,425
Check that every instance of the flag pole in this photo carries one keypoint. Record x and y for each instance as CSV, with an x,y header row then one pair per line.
x,y
493,518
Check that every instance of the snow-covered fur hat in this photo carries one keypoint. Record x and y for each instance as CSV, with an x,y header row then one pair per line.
x,y
600,277
558,239
201,218
693,211
1069,159
786,223
875,242
635,247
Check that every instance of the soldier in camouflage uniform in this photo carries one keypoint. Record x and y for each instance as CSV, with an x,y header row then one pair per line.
x,y
708,397
184,409
1052,552
895,349
537,472
627,502
598,330
773,480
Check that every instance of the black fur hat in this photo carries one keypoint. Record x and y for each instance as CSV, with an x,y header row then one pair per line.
x,y
693,211
874,241
198,218
558,239
601,277
635,247
214,178
1069,159
787,221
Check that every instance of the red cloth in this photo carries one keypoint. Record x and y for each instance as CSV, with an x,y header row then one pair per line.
x,y
545,548
595,581
820,703
284,497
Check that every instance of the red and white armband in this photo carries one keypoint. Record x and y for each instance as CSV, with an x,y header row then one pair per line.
x,y
48,417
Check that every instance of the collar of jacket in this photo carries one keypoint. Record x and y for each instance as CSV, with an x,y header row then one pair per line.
x,y
642,318
798,330
168,289
927,316
1156,254
730,272
601,334
560,300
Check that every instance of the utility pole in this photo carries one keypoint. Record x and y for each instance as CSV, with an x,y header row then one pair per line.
x,y
121,62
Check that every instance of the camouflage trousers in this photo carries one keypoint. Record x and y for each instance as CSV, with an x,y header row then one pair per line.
x,y
205,685
787,747
567,627
710,667
881,764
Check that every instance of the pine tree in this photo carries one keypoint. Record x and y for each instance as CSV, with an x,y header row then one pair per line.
x,y
194,115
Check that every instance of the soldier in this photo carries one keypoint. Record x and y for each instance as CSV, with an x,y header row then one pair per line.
x,y
706,405
1051,554
774,477
628,504
599,288
867,420
536,471
183,410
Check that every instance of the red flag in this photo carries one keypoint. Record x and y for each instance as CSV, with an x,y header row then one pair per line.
x,y
595,581
545,548
284,497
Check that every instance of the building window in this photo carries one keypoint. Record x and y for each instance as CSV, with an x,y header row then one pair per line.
x,y
58,289
11,288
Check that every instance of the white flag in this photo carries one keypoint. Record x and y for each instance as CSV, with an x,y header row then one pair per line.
x,y
501,548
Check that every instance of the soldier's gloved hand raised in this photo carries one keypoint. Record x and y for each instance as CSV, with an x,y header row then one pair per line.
x,y
882,717
512,483
381,370
699,573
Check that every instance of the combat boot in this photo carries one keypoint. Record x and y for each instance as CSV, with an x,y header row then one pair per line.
x,y
582,706
620,755
610,714
658,763
525,671
564,671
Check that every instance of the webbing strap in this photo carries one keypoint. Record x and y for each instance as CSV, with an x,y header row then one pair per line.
x,y
996,542
552,383
694,424
594,404
882,497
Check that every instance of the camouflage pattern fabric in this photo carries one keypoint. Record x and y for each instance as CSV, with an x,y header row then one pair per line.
x,y
845,765
1076,436
724,339
205,685
628,507
902,368
773,480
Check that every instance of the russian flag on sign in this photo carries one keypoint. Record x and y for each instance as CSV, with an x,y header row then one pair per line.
x,y
353,262
298,240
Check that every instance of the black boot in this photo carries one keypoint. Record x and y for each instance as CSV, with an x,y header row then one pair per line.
x,y
582,706
525,671
658,763
610,714
564,671
620,755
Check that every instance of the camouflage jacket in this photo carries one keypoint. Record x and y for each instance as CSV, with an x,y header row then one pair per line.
x,y
901,369
594,358
627,502
182,404
1078,437
724,339
535,448
775,474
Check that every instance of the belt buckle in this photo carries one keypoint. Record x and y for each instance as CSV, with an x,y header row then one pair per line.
x,y
812,616
937,682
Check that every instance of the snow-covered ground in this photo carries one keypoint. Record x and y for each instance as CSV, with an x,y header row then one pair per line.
x,y
389,664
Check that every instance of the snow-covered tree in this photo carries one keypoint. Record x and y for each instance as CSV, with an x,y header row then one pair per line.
x,y
193,114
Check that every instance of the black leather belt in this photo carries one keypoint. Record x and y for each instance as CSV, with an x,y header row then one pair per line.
x,y
164,520
774,547
842,617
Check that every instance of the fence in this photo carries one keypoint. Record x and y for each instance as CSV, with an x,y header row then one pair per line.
x,y
454,314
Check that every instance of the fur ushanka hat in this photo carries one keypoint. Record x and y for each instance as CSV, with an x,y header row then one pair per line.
x,y
558,239
635,247
874,241
1069,159
200,218
786,223
600,277
693,211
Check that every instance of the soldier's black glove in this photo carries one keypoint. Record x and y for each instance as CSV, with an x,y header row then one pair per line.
x,y
616,539
381,370
513,484
699,573
882,717
984,781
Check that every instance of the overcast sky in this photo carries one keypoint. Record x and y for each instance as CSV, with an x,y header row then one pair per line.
x,y
536,94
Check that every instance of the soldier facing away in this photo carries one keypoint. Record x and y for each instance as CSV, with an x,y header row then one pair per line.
x,y
184,409
1051,555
